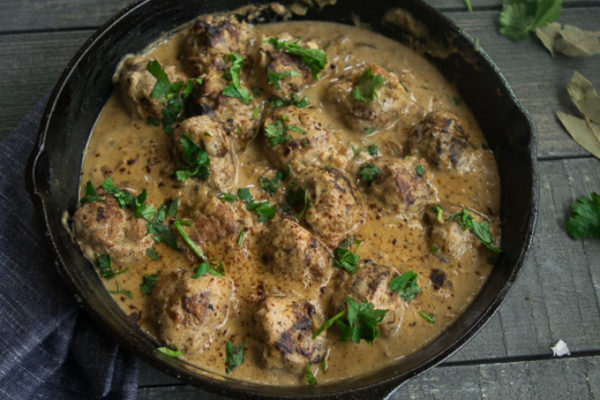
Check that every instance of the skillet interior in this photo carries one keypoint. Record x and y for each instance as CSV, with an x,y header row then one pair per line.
x,y
86,85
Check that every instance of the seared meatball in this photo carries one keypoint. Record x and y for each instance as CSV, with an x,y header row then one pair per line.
x,y
371,282
335,207
447,238
210,39
209,135
294,136
293,253
283,74
364,114
105,228
237,117
440,139
135,84
401,185
188,311
285,327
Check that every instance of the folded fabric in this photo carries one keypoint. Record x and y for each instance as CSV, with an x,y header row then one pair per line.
x,y
49,349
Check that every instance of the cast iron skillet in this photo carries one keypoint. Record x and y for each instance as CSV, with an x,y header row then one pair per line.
x,y
86,85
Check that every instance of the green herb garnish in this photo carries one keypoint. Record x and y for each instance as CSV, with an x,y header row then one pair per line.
x,y
420,170
585,222
361,322
480,230
194,161
228,197
170,353
365,88
121,291
263,210
427,316
315,59
240,238
209,268
344,257
234,356
296,199
368,172
373,150
328,323
186,238
519,17
232,74
106,269
89,194
437,209
271,185
275,77
149,281
152,254
161,233
406,285
308,374
292,101
276,133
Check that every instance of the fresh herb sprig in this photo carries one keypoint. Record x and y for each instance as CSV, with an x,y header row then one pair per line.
x,y
275,77
344,257
585,222
365,88
170,352
309,376
234,89
315,59
107,271
368,172
293,100
405,285
520,17
263,209
271,185
149,281
90,195
207,267
194,161
481,230
360,322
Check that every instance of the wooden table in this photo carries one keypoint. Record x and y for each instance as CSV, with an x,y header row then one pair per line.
x,y
558,293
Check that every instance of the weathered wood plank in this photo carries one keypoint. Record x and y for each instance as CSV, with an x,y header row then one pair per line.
x,y
34,62
566,378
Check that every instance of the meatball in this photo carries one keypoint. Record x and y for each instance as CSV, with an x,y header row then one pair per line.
x,y
370,113
284,74
371,283
208,135
135,84
237,117
285,327
295,137
335,207
105,228
188,311
400,185
210,39
294,254
440,139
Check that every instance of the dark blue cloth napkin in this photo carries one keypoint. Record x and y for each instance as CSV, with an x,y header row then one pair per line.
x,y
48,348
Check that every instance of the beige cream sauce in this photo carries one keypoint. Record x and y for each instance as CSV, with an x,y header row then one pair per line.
x,y
136,156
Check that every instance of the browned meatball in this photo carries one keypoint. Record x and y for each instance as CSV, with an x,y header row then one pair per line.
x,y
401,185
295,136
368,114
294,254
135,84
210,39
188,311
283,74
243,120
440,139
105,228
370,282
285,327
335,207
209,135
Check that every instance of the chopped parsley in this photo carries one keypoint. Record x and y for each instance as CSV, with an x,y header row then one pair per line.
x,y
275,77
232,74
255,113
296,198
373,150
315,59
244,195
276,133
186,238
295,128
106,269
324,364
437,209
170,353
294,100
308,374
344,257
328,323
240,238
125,199
263,209
585,222
89,194
161,233
481,230
234,356
361,322
194,161
368,172
121,291
365,88
406,285
368,130
228,197
209,268
427,316
271,185
434,249
149,281
141,209
420,170
152,254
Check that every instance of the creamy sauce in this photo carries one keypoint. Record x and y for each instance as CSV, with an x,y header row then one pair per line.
x,y
137,156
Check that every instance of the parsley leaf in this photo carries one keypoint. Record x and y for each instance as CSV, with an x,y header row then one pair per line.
x,y
228,197
328,323
234,356
437,209
106,269
194,161
186,238
427,316
308,374
232,74
161,233
152,254
209,268
275,77
263,210
296,199
163,84
406,285
519,17
585,222
368,172
361,322
420,170
271,185
276,133
148,282
292,101
315,59
244,195
365,87
89,194
373,150
170,353
481,230
121,291
125,199
141,209
240,238
344,258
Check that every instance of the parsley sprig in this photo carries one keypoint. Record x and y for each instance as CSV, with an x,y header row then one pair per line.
x,y
234,356
276,132
127,200
160,232
315,59
107,271
194,161
406,285
346,258
234,89
481,230
360,322
585,222
519,17
89,194
365,88
271,185
149,281
309,376
263,209
293,100
207,267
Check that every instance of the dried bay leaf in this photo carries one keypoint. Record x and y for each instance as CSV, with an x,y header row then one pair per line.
x,y
569,40
585,98
581,132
